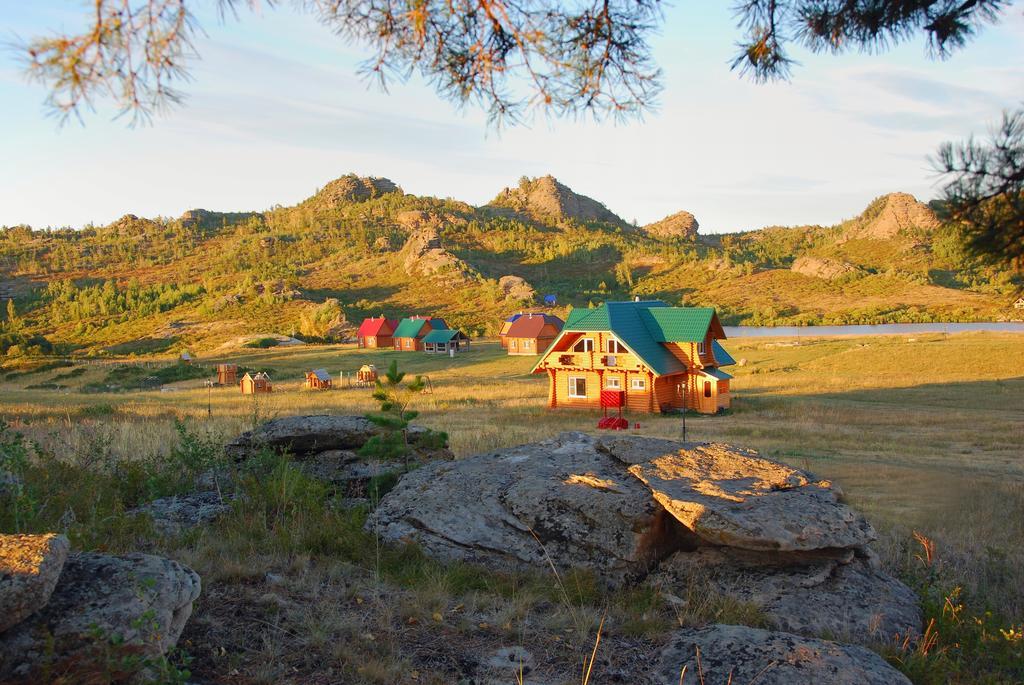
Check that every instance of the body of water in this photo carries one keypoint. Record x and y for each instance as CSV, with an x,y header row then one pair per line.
x,y
876,329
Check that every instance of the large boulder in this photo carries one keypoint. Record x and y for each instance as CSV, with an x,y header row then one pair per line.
x,y
736,498
29,568
563,501
103,606
838,594
738,654
823,267
681,225
308,435
172,515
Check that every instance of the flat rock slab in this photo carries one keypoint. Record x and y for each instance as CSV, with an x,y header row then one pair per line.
x,y
561,501
734,497
306,435
139,601
29,568
835,594
173,515
739,654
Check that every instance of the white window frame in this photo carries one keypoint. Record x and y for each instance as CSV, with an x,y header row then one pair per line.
x,y
512,344
526,344
638,384
573,392
613,383
700,347
613,346
588,345
408,344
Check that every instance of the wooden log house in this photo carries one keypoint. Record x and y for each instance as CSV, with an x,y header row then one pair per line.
x,y
531,333
409,334
376,332
444,341
659,357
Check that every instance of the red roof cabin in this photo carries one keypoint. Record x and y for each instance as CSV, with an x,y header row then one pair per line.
x,y
410,332
532,333
377,332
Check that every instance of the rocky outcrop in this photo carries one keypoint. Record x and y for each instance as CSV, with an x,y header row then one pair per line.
x,y
737,654
561,501
545,198
424,255
823,267
173,515
838,593
735,498
303,436
349,189
103,607
678,226
517,288
889,215
29,568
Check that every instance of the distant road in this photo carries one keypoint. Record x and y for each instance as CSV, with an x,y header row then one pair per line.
x,y
877,329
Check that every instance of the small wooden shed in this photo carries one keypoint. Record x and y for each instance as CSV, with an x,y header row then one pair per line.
x,y
253,384
227,374
318,379
366,375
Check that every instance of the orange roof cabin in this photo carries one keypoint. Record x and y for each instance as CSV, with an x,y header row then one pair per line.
x,y
658,357
445,341
227,374
409,334
318,379
376,332
253,384
505,325
531,333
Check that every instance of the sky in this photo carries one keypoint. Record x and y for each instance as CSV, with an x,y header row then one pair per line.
x,y
276,109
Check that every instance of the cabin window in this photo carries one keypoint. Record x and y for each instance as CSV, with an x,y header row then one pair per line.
x,y
577,386
526,344
615,347
408,343
707,388
638,384
700,347
370,340
613,383
585,345
512,344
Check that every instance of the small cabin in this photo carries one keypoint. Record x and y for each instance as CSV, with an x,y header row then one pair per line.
x,y
532,333
252,384
505,325
366,375
410,332
445,341
318,379
1019,304
227,374
376,332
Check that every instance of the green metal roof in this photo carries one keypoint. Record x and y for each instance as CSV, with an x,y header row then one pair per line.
x,y
721,356
411,328
678,324
441,335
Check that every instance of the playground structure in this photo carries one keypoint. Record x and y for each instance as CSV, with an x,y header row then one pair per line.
x,y
366,376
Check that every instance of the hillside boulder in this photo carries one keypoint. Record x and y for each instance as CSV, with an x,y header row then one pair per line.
x,y
547,199
738,654
132,604
517,288
424,255
29,568
892,214
681,225
823,267
350,189
172,515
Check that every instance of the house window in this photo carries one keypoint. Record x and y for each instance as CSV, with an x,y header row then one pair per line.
x,y
370,340
707,388
577,386
638,384
615,347
526,344
585,345
609,360
408,343
613,383
512,344
700,347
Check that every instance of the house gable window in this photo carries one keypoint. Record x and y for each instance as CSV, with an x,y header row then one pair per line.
x,y
615,347
577,387
638,384
700,347
584,345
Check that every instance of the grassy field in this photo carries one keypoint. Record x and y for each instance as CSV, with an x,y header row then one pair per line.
x,y
923,433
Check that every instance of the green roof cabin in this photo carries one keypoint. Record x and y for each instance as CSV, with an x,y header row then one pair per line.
x,y
648,356
410,332
445,341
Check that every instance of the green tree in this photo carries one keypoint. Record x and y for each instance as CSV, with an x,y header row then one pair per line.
x,y
394,396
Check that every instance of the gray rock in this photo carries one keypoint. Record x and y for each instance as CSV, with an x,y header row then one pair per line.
x,y
133,604
172,515
734,497
739,654
834,594
562,501
306,435
29,568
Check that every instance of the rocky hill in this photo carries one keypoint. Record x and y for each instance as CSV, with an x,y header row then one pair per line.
x,y
361,246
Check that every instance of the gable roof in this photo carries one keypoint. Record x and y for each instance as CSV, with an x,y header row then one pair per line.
x,y
443,335
642,327
411,328
721,356
372,326
321,374
531,325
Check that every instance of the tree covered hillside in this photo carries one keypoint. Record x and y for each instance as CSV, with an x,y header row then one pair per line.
x,y
361,246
